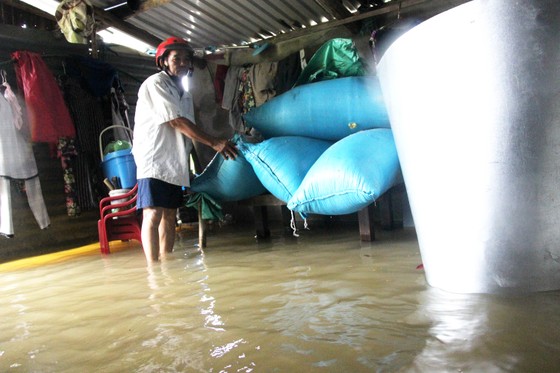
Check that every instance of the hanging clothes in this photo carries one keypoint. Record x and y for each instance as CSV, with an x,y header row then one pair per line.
x,y
246,99
6,222
86,112
95,98
17,113
118,119
34,198
231,87
288,71
48,115
95,76
119,103
230,97
219,82
66,151
17,161
262,77
245,88
88,115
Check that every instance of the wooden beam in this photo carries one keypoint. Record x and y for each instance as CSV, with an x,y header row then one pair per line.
x,y
103,18
290,42
335,8
107,19
27,8
395,8
149,4
136,6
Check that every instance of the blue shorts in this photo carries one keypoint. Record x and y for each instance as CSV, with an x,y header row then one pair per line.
x,y
157,193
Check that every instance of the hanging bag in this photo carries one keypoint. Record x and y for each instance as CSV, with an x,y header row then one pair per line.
x,y
75,19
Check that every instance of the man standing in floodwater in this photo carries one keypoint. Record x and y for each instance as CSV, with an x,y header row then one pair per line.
x,y
164,131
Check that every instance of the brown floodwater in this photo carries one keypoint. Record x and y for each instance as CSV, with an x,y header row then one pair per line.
x,y
323,302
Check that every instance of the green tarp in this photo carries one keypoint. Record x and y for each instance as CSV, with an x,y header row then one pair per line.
x,y
211,210
337,58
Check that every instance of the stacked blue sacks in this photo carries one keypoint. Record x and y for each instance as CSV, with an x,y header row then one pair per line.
x,y
282,162
350,175
228,180
328,110
328,150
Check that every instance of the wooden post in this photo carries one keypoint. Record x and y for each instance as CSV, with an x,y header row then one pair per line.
x,y
261,221
201,228
365,219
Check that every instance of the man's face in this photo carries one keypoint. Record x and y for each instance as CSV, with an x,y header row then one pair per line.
x,y
178,63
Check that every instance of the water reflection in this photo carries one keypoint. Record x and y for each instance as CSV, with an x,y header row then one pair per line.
x,y
320,303
505,334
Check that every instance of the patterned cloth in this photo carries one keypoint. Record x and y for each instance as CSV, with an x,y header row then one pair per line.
x,y
67,153
246,99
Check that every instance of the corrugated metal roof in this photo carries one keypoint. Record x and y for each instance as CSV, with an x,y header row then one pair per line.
x,y
212,24
219,23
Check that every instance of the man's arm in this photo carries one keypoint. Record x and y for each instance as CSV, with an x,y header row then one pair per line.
x,y
189,129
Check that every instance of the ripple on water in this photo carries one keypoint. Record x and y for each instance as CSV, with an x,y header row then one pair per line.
x,y
324,302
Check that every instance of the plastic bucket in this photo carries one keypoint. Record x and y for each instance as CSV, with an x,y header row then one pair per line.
x,y
119,164
118,192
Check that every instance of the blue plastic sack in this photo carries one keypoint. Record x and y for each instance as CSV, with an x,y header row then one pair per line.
x,y
327,110
228,180
281,163
350,175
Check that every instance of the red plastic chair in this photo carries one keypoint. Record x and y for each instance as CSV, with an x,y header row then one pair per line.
x,y
123,224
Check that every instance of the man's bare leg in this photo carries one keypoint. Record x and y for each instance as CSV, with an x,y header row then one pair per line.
x,y
167,232
151,219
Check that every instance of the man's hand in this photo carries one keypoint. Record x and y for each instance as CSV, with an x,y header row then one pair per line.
x,y
226,148
223,146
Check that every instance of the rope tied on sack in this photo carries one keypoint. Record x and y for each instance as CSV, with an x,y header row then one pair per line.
x,y
294,226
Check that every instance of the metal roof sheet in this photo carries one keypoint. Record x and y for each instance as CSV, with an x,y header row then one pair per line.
x,y
219,23
216,24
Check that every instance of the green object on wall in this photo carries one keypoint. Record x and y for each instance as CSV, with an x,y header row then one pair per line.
x,y
337,58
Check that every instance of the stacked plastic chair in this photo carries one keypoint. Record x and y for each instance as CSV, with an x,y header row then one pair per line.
x,y
118,221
